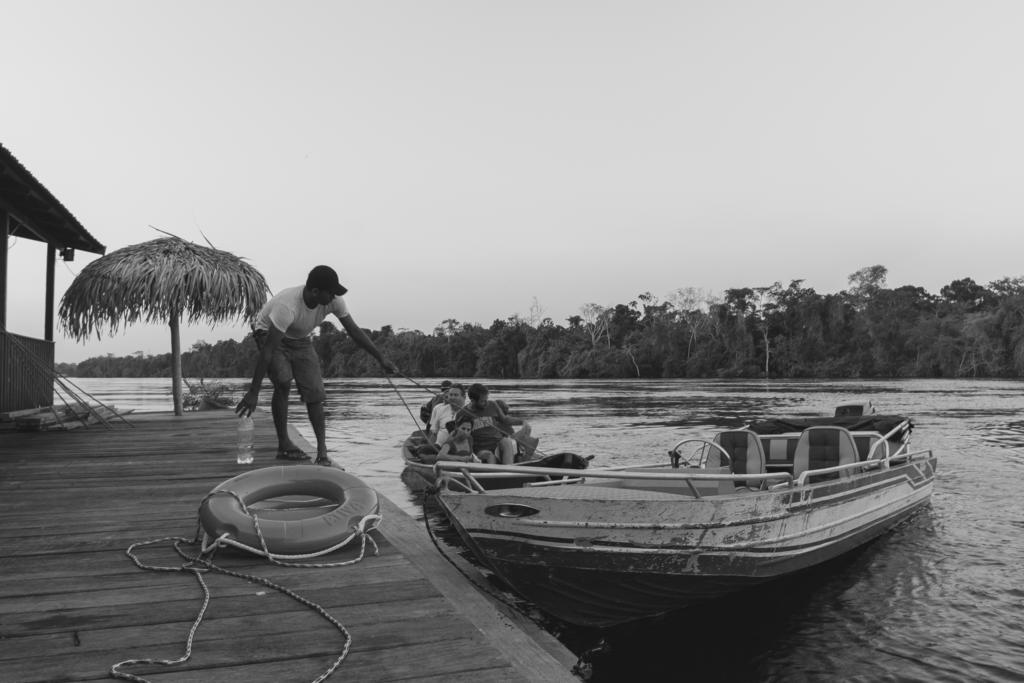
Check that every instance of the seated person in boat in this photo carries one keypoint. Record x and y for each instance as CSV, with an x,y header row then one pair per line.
x,y
492,428
445,412
427,408
526,442
459,447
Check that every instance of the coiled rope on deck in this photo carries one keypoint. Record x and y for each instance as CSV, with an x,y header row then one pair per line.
x,y
202,562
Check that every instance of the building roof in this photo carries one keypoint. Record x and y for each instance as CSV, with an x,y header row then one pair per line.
x,y
35,213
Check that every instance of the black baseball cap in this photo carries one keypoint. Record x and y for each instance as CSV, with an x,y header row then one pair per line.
x,y
326,279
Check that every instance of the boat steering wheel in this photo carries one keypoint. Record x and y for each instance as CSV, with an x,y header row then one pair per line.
x,y
701,461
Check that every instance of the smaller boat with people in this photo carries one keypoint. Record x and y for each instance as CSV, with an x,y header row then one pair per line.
x,y
419,472
728,512
482,430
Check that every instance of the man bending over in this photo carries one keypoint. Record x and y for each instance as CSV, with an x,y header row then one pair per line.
x,y
283,332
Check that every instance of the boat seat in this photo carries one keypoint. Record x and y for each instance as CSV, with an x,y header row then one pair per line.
x,y
745,452
824,446
864,444
778,448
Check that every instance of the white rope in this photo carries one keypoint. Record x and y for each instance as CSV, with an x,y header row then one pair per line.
x,y
361,529
202,563
198,573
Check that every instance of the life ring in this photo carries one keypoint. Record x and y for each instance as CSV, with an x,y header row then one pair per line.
x,y
289,532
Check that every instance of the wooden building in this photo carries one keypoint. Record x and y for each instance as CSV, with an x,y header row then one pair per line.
x,y
29,211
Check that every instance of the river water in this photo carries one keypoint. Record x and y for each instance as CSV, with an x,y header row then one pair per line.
x,y
941,598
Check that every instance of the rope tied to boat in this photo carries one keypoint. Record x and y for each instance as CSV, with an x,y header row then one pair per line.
x,y
202,563
431,492
405,403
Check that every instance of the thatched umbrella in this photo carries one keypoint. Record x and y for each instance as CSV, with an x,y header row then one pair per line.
x,y
161,281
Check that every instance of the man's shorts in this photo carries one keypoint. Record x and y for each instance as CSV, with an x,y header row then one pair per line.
x,y
295,359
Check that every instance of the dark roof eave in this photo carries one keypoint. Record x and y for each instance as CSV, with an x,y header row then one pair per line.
x,y
38,215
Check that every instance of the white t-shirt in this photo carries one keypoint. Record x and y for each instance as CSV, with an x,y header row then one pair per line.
x,y
288,312
441,415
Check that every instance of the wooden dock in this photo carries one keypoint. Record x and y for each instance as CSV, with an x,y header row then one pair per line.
x,y
72,603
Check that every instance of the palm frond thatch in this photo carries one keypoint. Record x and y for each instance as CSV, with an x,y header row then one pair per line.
x,y
163,280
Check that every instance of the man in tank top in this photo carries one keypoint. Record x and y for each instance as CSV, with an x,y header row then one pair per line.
x,y
283,330
492,428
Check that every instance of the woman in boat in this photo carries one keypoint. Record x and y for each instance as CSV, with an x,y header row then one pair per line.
x,y
459,447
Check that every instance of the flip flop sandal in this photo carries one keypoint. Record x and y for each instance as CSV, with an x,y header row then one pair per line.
x,y
292,454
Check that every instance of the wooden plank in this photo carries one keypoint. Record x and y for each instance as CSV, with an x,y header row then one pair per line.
x,y
11,415
249,655
101,415
183,605
38,421
121,589
129,635
447,659
98,562
371,571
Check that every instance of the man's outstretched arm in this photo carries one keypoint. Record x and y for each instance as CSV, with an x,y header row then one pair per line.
x,y
360,338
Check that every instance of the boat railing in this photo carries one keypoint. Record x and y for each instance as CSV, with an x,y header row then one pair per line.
x,y
902,454
475,478
582,477
559,476
884,441
635,472
556,482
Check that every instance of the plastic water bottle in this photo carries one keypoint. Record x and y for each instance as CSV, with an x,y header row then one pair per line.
x,y
245,448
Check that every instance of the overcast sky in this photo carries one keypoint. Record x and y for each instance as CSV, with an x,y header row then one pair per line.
x,y
464,159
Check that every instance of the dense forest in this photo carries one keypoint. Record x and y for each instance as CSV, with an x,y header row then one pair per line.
x,y
866,331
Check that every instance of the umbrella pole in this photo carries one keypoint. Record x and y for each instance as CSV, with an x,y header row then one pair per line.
x,y
176,364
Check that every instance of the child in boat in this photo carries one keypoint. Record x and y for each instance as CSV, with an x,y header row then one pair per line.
x,y
460,445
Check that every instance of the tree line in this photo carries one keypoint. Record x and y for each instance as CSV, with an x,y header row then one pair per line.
x,y
865,331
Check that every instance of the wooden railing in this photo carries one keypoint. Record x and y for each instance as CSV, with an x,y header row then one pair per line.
x,y
26,372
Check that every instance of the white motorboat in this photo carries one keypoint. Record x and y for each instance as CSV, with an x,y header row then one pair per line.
x,y
605,545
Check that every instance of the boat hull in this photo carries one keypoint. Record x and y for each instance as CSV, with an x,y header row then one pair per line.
x,y
599,556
